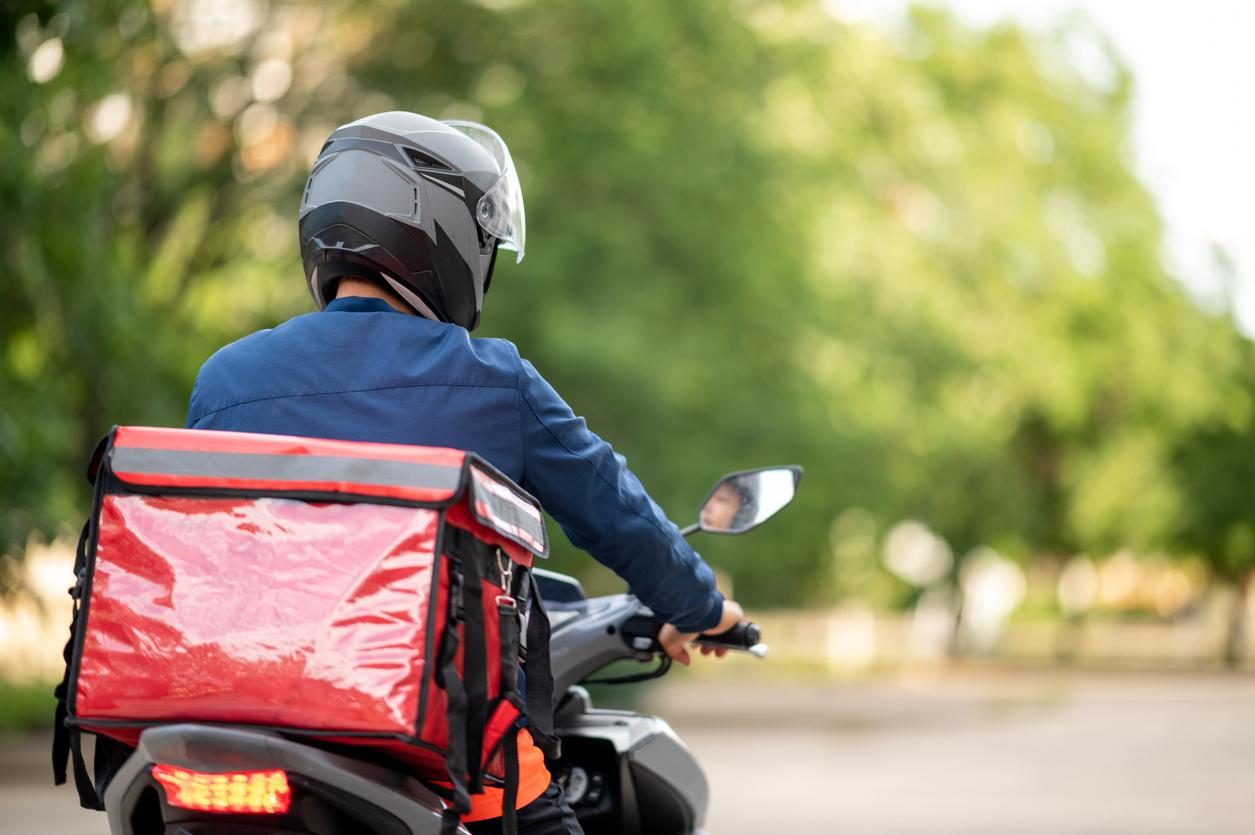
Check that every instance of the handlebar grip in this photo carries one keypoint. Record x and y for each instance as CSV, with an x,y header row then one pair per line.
x,y
742,636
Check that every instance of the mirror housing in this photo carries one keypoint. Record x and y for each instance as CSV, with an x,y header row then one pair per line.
x,y
742,501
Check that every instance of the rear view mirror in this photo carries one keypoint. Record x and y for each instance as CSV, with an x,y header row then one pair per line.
x,y
742,501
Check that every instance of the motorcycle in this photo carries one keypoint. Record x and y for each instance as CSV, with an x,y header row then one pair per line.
x,y
623,773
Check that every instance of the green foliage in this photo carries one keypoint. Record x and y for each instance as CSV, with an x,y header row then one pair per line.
x,y
917,264
1217,462
25,707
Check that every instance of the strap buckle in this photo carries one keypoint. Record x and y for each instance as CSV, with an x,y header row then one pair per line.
x,y
455,596
80,582
504,564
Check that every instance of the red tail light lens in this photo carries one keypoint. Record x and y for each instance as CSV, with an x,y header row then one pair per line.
x,y
239,792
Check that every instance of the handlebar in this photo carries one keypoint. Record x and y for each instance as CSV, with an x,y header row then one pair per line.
x,y
746,637
641,634
741,636
621,628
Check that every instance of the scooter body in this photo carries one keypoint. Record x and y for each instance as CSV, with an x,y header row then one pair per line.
x,y
624,773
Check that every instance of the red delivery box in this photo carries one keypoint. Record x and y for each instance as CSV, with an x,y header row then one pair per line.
x,y
325,588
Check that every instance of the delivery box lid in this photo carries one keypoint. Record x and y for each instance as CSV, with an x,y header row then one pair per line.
x,y
157,459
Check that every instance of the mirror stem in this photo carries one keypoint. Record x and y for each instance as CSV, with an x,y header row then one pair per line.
x,y
691,529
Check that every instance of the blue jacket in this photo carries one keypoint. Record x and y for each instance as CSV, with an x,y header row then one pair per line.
x,y
361,371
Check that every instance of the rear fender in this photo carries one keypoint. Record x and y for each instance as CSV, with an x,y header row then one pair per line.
x,y
332,792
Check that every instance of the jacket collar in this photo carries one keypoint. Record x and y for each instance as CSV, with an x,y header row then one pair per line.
x,y
360,304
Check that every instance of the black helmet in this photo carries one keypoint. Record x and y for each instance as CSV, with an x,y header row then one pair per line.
x,y
419,204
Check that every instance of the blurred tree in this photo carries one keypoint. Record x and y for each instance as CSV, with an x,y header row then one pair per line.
x,y
1215,465
992,307
142,234
916,263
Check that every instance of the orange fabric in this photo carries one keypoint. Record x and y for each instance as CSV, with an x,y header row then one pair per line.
x,y
533,780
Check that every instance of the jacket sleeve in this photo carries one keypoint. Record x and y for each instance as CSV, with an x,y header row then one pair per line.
x,y
194,409
603,509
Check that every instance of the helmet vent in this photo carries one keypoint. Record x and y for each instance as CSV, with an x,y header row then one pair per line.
x,y
420,160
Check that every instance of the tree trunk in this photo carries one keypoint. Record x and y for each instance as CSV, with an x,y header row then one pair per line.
x,y
1235,640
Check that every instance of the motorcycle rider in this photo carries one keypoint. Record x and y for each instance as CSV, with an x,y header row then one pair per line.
x,y
401,221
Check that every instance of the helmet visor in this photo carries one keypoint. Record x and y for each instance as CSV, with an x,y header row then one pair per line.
x,y
500,211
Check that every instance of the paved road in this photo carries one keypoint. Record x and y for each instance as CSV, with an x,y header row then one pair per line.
x,y
980,753
972,753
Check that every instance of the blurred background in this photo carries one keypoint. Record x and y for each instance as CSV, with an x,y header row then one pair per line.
x,y
984,268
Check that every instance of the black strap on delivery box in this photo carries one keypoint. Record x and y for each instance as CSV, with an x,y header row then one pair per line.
x,y
67,741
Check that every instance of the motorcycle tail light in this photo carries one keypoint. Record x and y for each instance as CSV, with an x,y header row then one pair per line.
x,y
238,792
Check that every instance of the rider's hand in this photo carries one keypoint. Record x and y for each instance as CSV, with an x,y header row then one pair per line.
x,y
674,641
